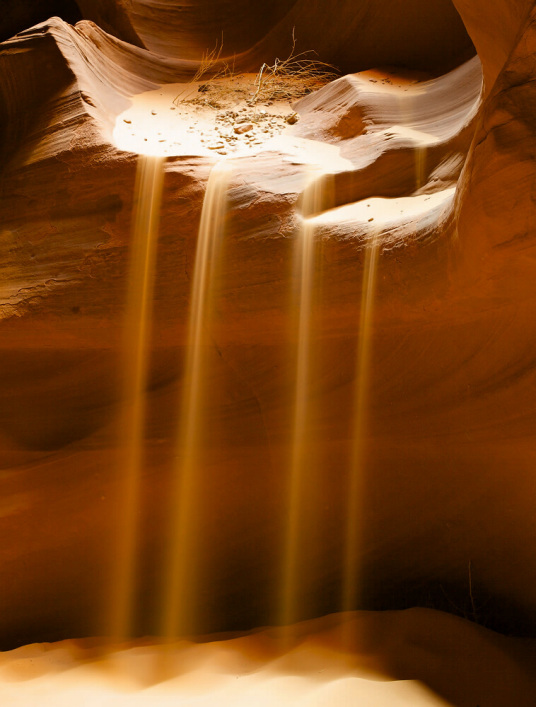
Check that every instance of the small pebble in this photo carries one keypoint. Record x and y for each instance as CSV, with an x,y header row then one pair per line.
x,y
241,129
127,121
153,112
371,219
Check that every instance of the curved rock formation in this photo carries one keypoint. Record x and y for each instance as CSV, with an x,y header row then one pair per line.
x,y
448,493
494,31
417,34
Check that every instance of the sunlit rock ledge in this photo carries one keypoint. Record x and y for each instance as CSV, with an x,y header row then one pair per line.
x,y
61,172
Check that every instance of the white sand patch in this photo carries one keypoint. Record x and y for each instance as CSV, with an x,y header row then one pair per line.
x,y
420,138
207,675
214,118
220,122
382,212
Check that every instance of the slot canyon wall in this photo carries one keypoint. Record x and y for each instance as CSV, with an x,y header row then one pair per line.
x,y
449,490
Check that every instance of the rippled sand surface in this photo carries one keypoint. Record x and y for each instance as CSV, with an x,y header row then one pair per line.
x,y
417,658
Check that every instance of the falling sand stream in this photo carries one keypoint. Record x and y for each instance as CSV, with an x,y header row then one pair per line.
x,y
315,198
181,564
136,348
354,507
421,153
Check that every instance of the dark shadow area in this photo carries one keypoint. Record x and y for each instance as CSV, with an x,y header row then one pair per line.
x,y
18,16
476,604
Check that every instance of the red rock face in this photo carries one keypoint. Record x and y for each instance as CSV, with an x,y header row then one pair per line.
x,y
494,33
428,36
448,491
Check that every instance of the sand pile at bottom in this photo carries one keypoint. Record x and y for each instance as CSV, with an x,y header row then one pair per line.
x,y
415,658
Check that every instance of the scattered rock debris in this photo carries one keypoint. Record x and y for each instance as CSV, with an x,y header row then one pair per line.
x,y
224,115
239,119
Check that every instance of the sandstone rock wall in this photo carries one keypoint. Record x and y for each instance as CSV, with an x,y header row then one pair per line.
x,y
448,489
354,36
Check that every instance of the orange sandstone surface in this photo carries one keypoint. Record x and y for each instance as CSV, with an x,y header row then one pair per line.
x,y
436,160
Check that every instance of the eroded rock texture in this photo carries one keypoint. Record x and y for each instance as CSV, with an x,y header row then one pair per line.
x,y
448,493
423,35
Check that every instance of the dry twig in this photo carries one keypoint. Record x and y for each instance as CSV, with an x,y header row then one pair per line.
x,y
292,77
210,64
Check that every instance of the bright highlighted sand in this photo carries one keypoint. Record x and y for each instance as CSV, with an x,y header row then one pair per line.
x,y
416,658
